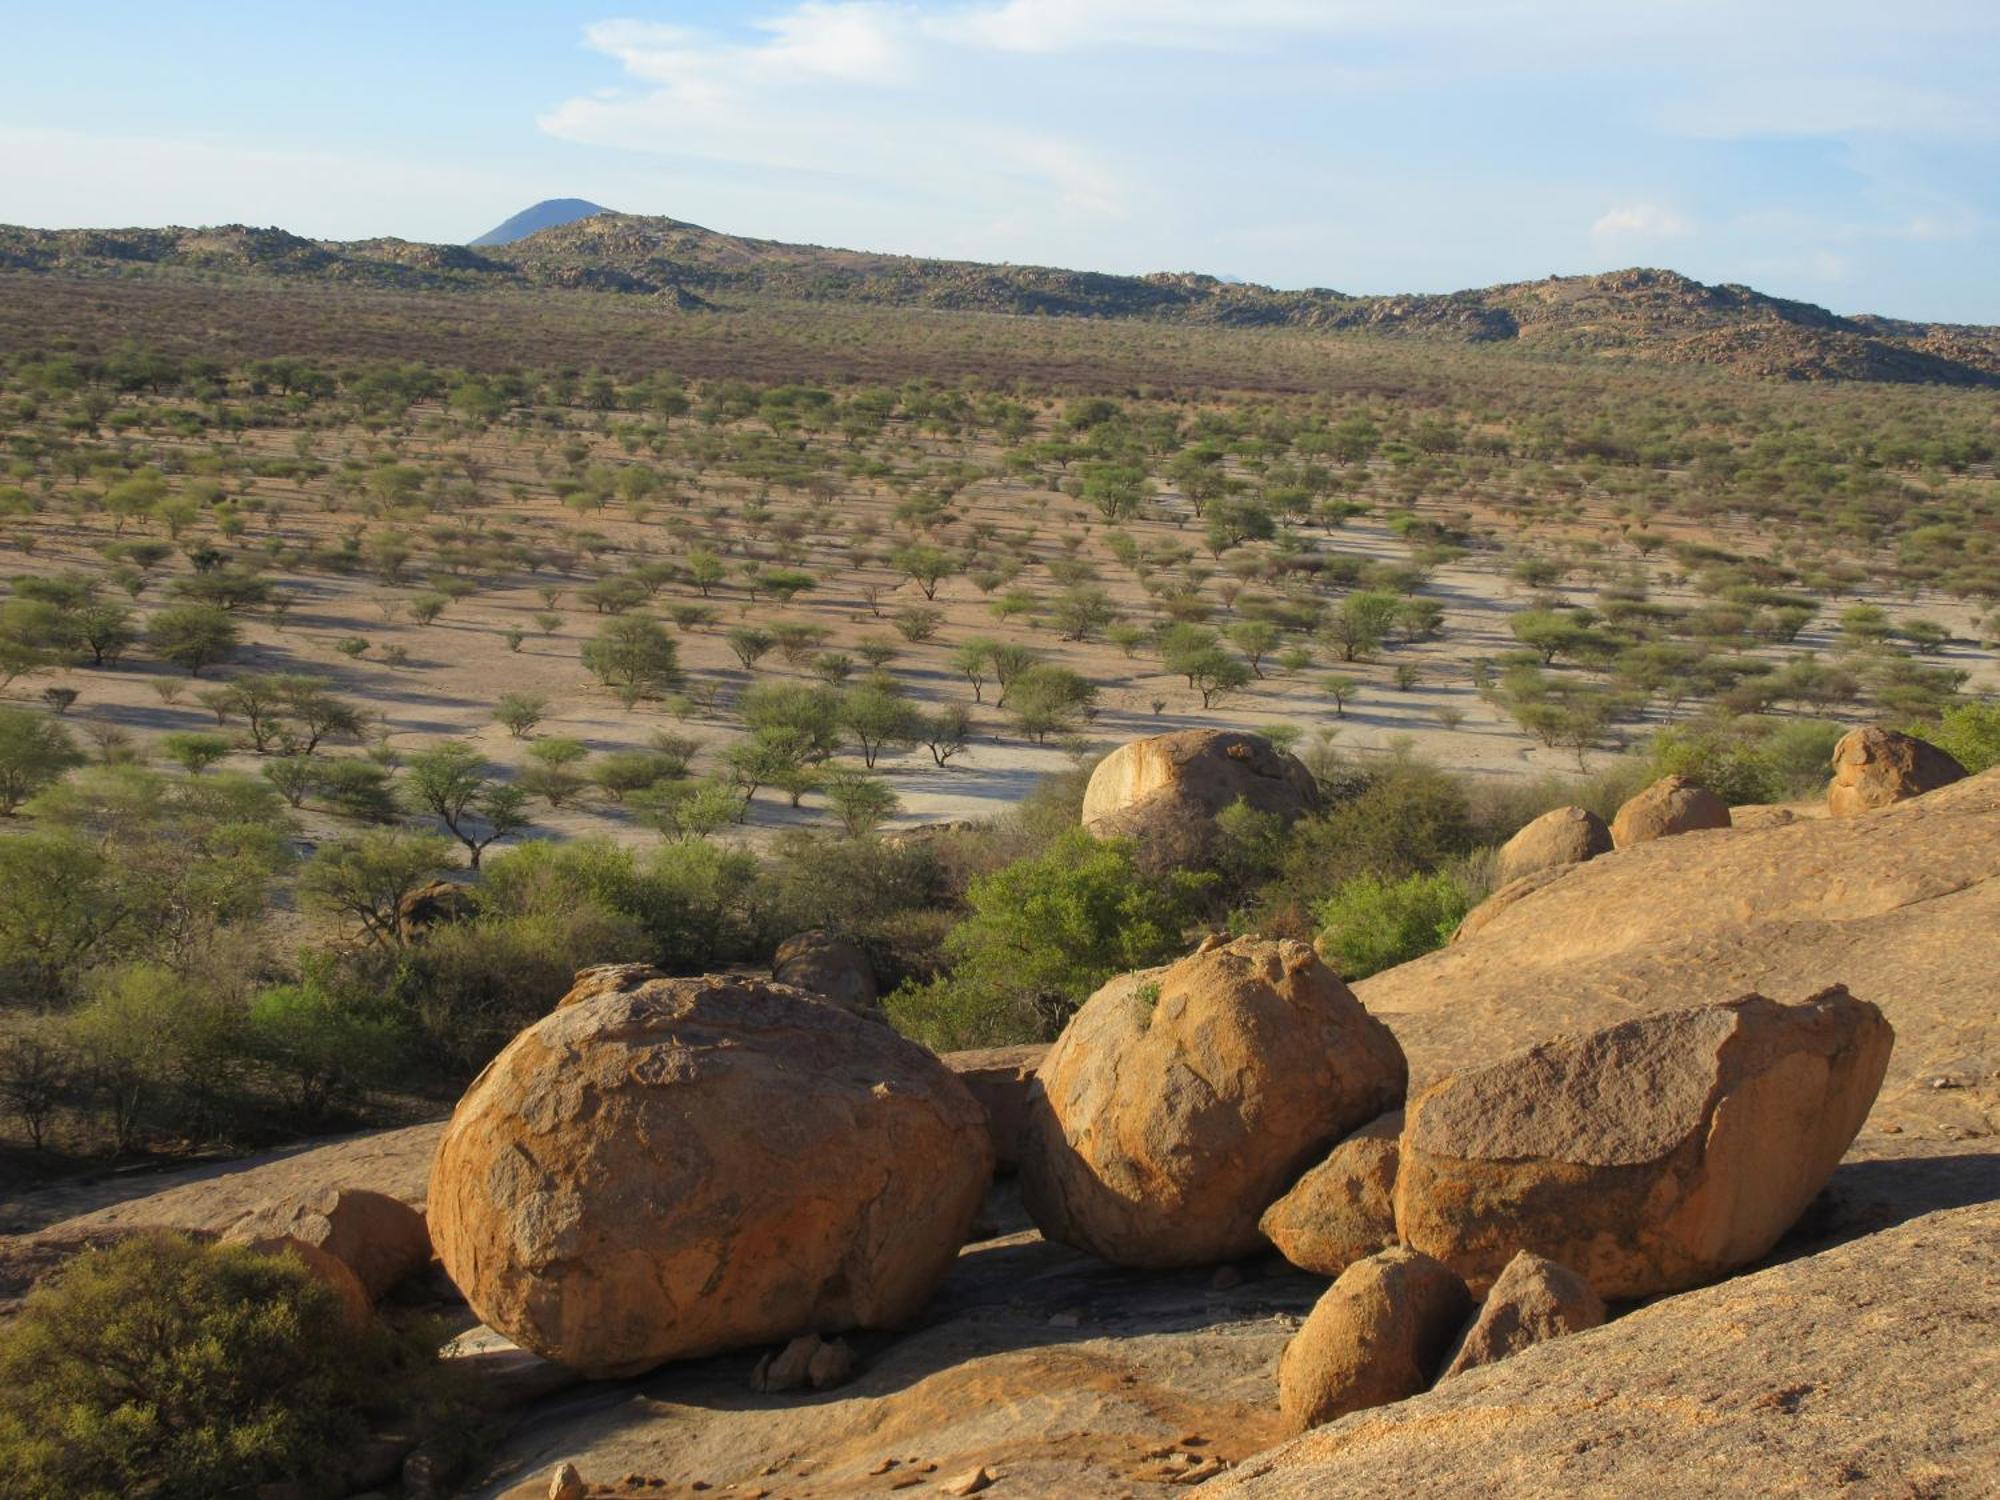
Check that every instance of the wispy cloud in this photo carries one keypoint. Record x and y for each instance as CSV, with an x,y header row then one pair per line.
x,y
1642,222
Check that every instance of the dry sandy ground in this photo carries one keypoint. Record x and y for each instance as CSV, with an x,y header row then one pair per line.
x,y
459,665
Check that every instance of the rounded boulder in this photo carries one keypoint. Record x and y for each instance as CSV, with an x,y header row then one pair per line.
x,y
1671,805
670,1168
1377,1335
1877,767
1180,1102
828,965
1165,791
1564,836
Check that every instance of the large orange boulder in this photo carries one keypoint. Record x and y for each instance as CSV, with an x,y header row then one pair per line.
x,y
1875,767
1564,836
1649,1157
673,1167
1671,805
1180,1102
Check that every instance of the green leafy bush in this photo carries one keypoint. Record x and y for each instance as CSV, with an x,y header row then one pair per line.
x,y
169,1370
1968,732
1371,923
1043,933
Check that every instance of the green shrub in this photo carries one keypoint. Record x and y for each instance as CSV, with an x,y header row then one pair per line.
x,y
1043,933
174,1371
1968,732
1371,923
1748,760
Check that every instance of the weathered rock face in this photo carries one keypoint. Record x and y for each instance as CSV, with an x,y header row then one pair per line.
x,y
1671,805
1875,767
1002,1079
1533,1301
680,1166
1774,1383
1344,1209
1565,836
1649,1157
1165,791
1903,907
827,964
1378,1335
382,1240
1180,1102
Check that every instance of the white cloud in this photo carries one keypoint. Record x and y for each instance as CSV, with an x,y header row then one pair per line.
x,y
849,90
1628,222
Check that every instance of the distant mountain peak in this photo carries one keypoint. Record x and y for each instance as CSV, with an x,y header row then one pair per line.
x,y
548,214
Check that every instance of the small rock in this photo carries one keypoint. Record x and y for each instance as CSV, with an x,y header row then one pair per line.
x,y
1226,1278
1065,1320
788,1369
832,1364
882,1466
1534,1299
971,1482
566,1483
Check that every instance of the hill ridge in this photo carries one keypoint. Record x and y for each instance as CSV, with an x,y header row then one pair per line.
x,y
1648,314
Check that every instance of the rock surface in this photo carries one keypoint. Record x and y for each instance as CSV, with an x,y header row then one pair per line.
x,y
1902,907
1870,1369
1563,836
1165,791
1672,805
1002,1080
825,963
382,1240
1876,767
1378,1335
1180,1102
675,1167
1344,1209
1534,1300
1651,1156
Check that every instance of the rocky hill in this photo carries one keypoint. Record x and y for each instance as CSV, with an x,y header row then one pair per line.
x,y
1651,315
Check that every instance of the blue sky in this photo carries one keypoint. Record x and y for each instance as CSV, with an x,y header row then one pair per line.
x,y
1842,152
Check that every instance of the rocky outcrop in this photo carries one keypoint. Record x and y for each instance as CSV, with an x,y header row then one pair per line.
x,y
1378,1335
1564,836
1876,767
1533,1301
827,964
1651,1156
382,1240
675,1167
1344,1209
1164,792
1671,805
1850,1371
1903,907
1180,1102
1002,1079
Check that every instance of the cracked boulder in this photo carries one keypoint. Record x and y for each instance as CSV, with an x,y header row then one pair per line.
x,y
1652,1156
670,1168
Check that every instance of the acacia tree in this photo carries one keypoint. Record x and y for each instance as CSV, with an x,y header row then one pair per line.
x,y
635,657
368,879
453,783
193,636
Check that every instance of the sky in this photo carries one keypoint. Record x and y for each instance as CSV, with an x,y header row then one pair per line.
x,y
1842,151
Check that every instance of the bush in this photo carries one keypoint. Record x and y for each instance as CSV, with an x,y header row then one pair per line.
x,y
1969,733
34,751
176,1371
1748,760
1042,934
1371,924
